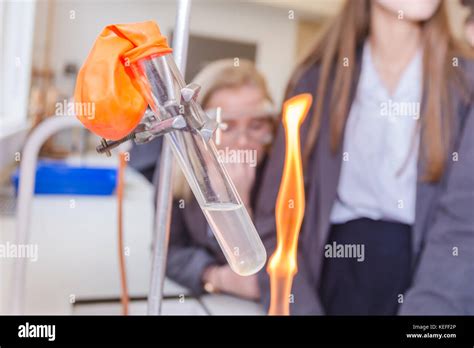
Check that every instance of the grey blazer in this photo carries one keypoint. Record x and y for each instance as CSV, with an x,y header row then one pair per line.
x,y
443,233
192,246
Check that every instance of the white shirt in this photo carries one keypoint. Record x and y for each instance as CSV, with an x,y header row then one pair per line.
x,y
380,152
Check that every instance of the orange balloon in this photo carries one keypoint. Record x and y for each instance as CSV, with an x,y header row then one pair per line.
x,y
107,100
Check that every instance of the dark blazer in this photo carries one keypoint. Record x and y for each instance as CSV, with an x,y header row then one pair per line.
x,y
192,246
442,283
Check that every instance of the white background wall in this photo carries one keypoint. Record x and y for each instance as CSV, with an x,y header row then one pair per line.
x,y
78,22
16,39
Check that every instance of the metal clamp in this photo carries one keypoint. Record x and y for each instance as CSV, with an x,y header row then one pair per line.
x,y
151,127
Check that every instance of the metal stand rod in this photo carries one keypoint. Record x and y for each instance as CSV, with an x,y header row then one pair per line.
x,y
163,197
25,193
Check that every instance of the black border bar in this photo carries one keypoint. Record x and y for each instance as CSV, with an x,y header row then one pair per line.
x,y
139,330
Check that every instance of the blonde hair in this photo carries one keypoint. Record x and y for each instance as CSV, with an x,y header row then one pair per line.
x,y
229,73
223,73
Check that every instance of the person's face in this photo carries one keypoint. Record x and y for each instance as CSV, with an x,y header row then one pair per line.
x,y
241,129
414,10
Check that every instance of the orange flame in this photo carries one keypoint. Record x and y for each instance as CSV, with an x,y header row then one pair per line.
x,y
289,210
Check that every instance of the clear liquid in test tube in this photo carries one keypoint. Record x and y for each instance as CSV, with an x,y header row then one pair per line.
x,y
161,83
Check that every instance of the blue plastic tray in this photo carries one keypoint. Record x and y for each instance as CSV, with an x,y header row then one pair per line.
x,y
59,178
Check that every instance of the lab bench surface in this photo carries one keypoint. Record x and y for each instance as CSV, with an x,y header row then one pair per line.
x,y
176,303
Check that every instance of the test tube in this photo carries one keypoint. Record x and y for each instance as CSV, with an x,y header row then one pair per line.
x,y
161,84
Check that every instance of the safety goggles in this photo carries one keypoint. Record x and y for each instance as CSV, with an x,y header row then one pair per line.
x,y
257,128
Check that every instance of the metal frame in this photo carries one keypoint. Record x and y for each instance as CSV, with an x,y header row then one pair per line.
x,y
163,197
26,186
